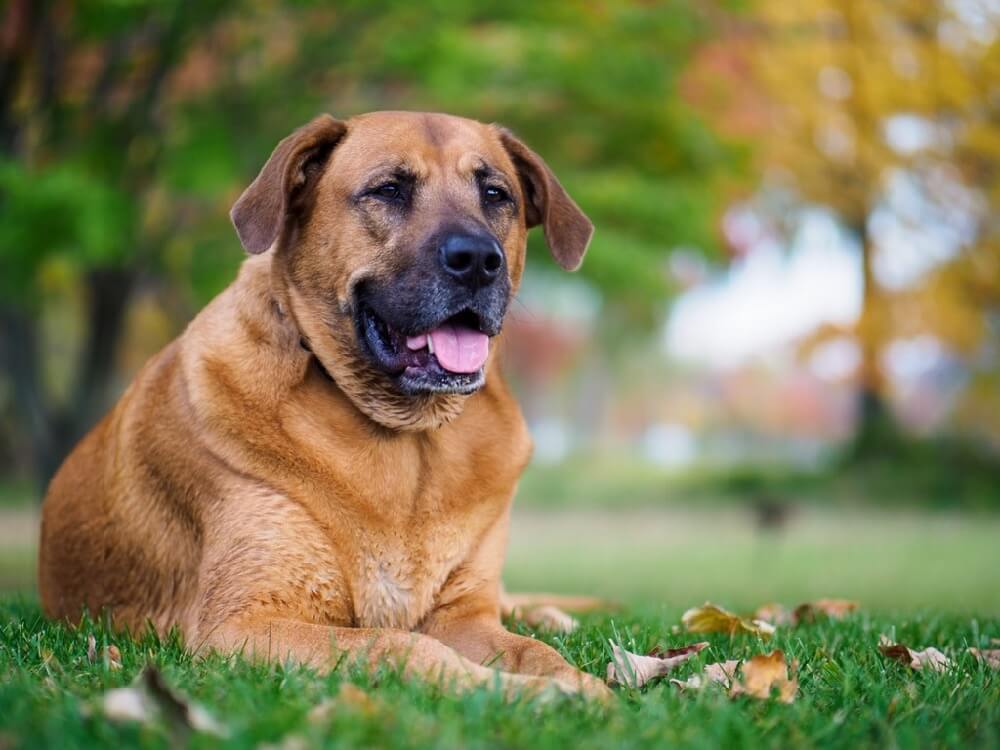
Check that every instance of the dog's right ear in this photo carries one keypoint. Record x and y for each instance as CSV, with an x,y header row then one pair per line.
x,y
296,163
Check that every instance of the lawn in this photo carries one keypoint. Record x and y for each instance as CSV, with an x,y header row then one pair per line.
x,y
849,696
922,578
899,561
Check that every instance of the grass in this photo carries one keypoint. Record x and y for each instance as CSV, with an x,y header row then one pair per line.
x,y
923,578
888,561
850,696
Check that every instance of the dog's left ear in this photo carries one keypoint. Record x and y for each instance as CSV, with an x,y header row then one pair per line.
x,y
567,229
261,212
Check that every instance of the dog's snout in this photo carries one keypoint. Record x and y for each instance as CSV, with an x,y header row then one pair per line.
x,y
472,259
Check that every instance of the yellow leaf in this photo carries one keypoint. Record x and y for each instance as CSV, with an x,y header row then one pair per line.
x,y
114,658
764,674
712,619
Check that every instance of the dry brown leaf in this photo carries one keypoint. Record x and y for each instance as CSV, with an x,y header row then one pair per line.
x,y
721,673
114,658
635,670
988,656
764,674
834,609
670,653
773,613
91,648
547,617
550,611
149,696
929,657
712,619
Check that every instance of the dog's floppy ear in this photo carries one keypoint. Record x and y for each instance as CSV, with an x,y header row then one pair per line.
x,y
260,212
567,229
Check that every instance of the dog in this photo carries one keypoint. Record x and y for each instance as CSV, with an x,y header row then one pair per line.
x,y
322,465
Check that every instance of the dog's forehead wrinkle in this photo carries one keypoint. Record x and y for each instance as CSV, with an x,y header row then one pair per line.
x,y
434,131
435,136
398,166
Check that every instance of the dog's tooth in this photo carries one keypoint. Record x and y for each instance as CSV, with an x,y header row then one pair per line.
x,y
416,343
430,344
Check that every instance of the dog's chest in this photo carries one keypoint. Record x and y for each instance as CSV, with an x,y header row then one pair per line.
x,y
399,574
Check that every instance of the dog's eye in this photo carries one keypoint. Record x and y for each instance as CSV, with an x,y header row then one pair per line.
x,y
494,194
389,191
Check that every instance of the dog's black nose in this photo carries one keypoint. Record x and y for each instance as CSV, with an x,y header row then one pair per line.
x,y
473,259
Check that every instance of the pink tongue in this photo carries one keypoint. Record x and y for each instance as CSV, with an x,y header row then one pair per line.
x,y
460,349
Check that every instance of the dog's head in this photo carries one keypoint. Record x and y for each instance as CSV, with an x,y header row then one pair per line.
x,y
398,240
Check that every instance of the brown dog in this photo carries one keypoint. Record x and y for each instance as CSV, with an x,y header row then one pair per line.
x,y
324,462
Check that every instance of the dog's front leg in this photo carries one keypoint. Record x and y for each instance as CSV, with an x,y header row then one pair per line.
x,y
482,639
417,655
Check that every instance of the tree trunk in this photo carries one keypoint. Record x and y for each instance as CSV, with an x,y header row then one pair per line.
x,y
53,429
874,426
19,358
108,292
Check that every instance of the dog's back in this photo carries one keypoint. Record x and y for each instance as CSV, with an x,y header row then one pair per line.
x,y
116,525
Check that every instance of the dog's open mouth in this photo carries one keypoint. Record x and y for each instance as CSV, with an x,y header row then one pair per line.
x,y
448,358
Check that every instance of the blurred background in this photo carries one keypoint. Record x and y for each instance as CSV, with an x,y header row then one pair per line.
x,y
777,375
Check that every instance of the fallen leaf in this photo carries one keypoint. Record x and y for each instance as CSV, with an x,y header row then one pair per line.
x,y
550,611
988,656
149,697
127,704
671,653
91,648
114,658
721,673
930,657
764,674
834,609
290,742
712,619
547,617
773,613
635,670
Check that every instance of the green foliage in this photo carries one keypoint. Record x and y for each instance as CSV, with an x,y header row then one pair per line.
x,y
849,696
61,211
945,473
592,86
